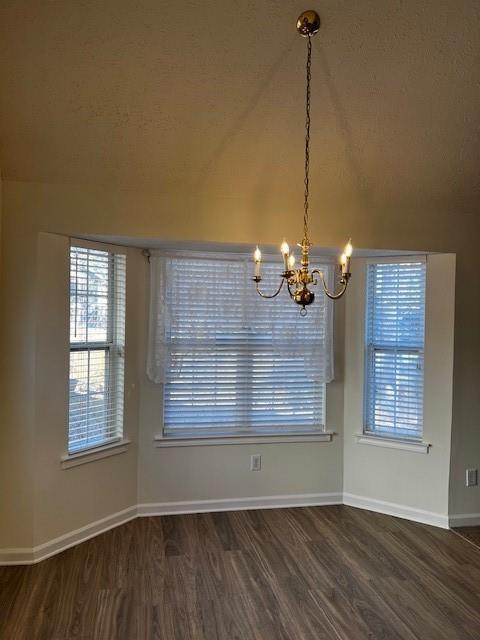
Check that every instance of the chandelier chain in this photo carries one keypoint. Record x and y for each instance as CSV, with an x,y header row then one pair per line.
x,y
298,279
307,138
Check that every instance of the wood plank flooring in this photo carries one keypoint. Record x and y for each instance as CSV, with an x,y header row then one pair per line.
x,y
472,534
323,573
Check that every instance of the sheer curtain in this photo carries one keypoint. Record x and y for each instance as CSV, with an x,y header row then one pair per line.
x,y
229,360
202,295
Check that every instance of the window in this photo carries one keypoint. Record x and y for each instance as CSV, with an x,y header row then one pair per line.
x,y
97,341
395,326
231,362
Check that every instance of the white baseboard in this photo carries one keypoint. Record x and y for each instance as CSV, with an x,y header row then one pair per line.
x,y
19,555
70,539
42,552
239,504
398,510
464,520
33,555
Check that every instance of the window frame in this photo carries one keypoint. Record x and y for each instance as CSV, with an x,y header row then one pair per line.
x,y
246,433
114,348
367,432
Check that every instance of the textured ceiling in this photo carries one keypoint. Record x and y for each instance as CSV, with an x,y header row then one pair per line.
x,y
201,97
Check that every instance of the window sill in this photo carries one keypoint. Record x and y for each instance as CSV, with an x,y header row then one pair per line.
x,y
393,443
203,441
90,455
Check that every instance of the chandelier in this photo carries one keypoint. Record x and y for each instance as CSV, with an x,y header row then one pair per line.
x,y
297,280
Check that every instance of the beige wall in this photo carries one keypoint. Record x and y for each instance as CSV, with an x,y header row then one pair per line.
x,y
67,499
261,216
415,480
17,386
466,383
222,472
56,501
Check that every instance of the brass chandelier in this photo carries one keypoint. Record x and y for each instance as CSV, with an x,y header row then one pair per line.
x,y
297,280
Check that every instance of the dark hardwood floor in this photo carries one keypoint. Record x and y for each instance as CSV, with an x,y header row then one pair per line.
x,y
324,573
472,534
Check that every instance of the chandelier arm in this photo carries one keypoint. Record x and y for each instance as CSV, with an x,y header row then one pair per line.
x,y
264,295
332,296
289,290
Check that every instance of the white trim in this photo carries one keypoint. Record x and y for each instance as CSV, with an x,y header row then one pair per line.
x,y
217,254
239,504
70,460
52,547
397,510
156,244
393,443
464,520
97,246
43,551
25,555
14,556
162,441
397,259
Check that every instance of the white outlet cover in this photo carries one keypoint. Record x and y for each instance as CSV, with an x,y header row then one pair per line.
x,y
471,477
256,462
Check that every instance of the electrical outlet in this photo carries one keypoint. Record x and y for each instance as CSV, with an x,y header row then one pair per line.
x,y
256,462
471,477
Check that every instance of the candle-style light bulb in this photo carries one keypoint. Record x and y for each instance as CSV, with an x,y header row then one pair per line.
x,y
291,262
345,259
257,256
285,249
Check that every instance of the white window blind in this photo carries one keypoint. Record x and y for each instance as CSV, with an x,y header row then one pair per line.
x,y
97,341
395,326
231,362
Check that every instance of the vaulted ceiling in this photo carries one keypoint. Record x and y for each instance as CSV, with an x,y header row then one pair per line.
x,y
197,97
